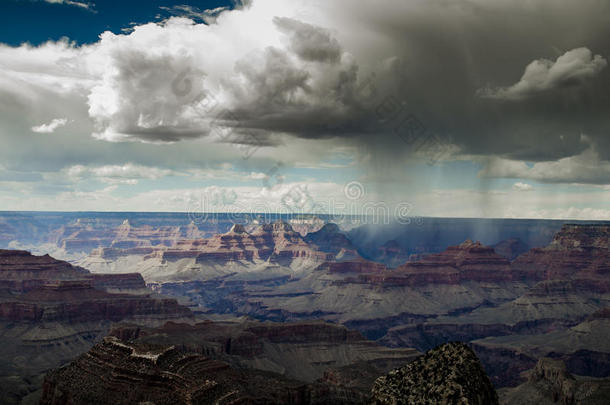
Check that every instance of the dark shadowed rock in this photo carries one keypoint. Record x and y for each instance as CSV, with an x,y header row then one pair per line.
x,y
119,373
448,374
510,248
551,383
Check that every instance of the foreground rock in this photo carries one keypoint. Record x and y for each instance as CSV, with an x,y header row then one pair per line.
x,y
128,368
449,374
225,362
117,373
303,350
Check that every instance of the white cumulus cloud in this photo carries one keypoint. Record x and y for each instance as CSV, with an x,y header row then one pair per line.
x,y
522,186
117,174
50,127
541,75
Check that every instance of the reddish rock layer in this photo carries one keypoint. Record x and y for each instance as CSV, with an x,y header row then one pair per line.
x,y
83,237
40,288
466,262
577,251
276,242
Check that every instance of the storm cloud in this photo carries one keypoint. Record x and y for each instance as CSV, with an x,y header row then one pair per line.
x,y
495,79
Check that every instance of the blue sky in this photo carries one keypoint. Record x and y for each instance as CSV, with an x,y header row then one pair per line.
x,y
38,21
292,104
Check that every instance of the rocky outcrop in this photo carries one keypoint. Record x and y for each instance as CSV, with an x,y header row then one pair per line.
x,y
224,363
510,248
576,252
75,301
392,254
273,246
469,261
51,311
331,240
21,265
448,374
549,382
560,383
117,373
276,242
584,348
21,272
301,350
42,289
83,236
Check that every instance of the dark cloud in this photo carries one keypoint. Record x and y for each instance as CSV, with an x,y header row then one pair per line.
x,y
450,51
306,73
310,43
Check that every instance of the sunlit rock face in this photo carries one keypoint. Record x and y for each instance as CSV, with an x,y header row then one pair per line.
x,y
271,248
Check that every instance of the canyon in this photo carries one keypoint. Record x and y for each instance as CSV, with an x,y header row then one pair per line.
x,y
128,369
51,310
468,292
246,292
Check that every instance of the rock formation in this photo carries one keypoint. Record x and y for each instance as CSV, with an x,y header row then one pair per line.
x,y
510,248
331,240
448,374
512,312
372,298
117,373
223,363
273,246
83,236
469,261
576,252
584,348
51,311
549,383
302,350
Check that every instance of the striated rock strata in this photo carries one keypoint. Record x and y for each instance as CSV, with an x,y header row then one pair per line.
x,y
117,373
51,311
268,249
224,363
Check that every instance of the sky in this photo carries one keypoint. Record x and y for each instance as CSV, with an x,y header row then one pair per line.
x,y
468,108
